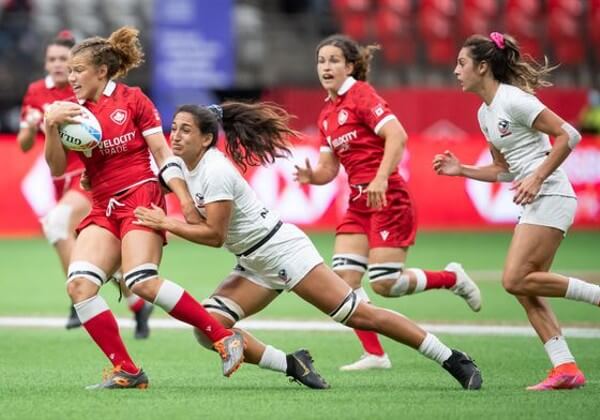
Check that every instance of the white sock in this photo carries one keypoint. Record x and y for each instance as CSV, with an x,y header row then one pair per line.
x,y
361,293
583,291
273,359
421,279
434,349
132,299
168,295
90,308
558,351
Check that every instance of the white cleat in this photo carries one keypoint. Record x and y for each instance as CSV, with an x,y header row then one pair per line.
x,y
465,287
369,361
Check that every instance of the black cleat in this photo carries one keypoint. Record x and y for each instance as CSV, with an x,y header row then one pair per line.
x,y
142,329
464,370
300,369
73,320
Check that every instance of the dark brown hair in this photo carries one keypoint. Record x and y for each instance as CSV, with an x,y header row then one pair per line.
x,y
353,53
255,134
507,64
121,52
64,38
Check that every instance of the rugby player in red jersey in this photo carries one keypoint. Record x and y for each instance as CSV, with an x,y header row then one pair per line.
x,y
121,179
360,132
73,204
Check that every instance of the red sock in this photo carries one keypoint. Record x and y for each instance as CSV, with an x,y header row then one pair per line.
x,y
440,279
104,331
370,342
136,306
190,311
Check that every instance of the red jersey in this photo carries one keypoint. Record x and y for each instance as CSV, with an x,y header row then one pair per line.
x,y
349,126
40,94
122,159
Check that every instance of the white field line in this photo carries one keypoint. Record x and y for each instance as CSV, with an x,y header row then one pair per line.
x,y
272,325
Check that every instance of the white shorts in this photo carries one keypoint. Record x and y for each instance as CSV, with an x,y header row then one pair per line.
x,y
555,211
282,262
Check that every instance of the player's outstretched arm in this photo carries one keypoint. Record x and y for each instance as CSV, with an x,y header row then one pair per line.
x,y
326,170
59,113
448,164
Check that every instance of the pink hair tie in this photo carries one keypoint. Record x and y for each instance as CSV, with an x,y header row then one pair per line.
x,y
498,39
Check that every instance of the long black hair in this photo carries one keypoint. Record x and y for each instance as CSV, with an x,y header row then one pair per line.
x,y
255,134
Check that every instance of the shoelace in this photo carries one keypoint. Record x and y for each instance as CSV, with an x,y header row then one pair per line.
x,y
112,203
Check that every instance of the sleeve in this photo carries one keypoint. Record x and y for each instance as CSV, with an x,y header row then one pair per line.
x,y
28,103
372,109
222,182
525,108
147,117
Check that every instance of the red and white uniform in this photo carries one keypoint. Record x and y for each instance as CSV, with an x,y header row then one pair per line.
x,y
119,168
349,127
40,94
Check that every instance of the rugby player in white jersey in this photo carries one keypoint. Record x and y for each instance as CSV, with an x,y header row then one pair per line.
x,y
517,127
272,256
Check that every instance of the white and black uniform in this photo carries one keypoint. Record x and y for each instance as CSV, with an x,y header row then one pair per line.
x,y
507,125
270,253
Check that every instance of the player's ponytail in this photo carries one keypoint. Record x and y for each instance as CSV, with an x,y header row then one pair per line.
x,y
354,53
255,134
503,54
120,53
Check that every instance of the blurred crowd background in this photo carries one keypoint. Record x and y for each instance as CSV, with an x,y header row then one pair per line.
x,y
272,41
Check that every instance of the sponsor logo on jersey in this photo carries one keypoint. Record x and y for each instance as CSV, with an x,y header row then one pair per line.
x,y
119,116
342,117
378,110
117,144
384,234
342,142
504,127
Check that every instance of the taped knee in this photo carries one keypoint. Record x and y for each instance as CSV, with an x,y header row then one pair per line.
x,y
225,307
345,309
88,271
385,271
352,262
140,274
56,223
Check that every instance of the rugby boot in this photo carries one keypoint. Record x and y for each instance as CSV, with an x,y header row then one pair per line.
x,y
300,369
117,378
565,376
465,287
73,320
369,361
231,350
464,370
142,329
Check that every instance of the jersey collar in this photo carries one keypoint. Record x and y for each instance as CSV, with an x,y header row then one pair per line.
x,y
108,90
49,82
348,83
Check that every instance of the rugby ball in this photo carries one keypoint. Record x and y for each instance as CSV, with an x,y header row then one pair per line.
x,y
81,136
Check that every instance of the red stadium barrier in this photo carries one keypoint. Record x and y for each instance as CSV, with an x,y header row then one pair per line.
x,y
442,202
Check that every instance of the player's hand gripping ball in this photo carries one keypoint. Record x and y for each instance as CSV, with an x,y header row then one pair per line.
x,y
82,136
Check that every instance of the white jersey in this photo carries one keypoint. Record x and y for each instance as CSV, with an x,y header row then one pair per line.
x,y
216,179
507,125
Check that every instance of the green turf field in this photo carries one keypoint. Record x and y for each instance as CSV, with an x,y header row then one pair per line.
x,y
43,371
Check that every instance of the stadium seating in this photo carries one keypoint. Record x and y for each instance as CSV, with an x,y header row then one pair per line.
x,y
524,20
395,31
437,25
564,33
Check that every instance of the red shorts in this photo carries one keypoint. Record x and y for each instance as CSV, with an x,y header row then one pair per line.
x,y
67,182
116,215
394,226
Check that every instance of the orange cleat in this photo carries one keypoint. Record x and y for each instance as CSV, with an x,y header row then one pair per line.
x,y
231,350
565,376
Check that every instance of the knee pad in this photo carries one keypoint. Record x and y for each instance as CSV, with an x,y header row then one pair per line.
x,y
88,271
140,274
352,262
385,271
56,223
225,307
345,309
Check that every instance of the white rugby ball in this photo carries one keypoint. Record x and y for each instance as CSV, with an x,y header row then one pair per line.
x,y
82,136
